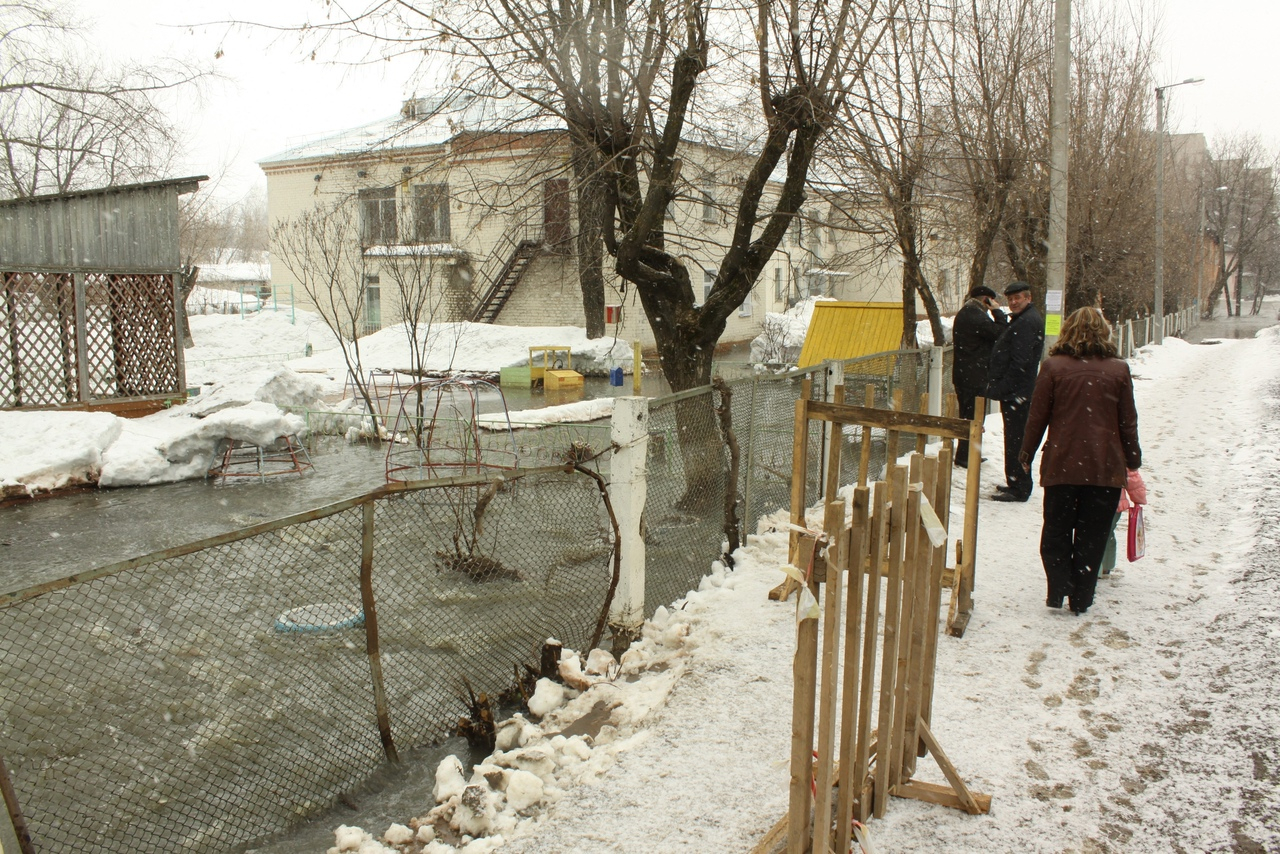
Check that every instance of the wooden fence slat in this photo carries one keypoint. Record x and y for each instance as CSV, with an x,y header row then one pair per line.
x,y
889,663
878,531
804,666
849,783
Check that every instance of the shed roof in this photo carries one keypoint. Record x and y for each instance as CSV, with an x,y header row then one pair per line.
x,y
849,330
182,186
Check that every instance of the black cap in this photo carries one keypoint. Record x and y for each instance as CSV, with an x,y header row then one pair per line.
x,y
1016,288
982,291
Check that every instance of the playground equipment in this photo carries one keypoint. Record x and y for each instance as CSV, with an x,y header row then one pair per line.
x,y
437,432
242,459
553,372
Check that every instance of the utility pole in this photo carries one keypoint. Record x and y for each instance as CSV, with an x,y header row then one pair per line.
x,y
1159,289
1059,112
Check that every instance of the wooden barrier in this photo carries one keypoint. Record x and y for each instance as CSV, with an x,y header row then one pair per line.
x,y
874,577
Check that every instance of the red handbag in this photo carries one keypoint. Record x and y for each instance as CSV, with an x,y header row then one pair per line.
x,y
1137,533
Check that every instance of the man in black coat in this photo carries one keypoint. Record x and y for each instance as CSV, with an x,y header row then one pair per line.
x,y
974,333
1011,378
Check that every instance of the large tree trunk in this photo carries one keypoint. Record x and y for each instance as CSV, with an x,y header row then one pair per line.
x,y
592,201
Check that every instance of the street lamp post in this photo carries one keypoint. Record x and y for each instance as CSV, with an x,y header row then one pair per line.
x,y
1159,289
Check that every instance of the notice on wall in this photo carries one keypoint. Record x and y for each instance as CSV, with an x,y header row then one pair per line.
x,y
1052,324
1053,301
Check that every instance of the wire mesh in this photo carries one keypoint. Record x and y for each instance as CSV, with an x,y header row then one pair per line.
x,y
162,704
684,505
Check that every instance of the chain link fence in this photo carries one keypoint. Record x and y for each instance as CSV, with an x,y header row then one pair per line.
x,y
203,697
207,696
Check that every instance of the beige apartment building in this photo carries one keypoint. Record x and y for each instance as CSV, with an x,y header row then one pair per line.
x,y
461,194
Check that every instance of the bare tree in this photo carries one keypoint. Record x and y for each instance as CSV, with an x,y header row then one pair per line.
x,y
66,119
322,250
887,135
1241,212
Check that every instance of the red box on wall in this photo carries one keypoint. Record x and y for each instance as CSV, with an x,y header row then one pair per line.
x,y
613,314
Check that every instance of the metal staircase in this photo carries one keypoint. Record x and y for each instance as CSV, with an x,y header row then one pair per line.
x,y
490,305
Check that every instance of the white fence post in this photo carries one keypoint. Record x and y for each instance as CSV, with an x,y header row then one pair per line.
x,y
831,433
935,381
627,490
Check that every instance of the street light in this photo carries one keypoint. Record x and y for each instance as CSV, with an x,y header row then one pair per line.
x,y
1159,306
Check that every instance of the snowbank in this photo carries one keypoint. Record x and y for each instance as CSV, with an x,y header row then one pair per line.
x,y
44,451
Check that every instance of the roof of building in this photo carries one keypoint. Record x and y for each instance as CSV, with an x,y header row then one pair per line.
x,y
422,123
183,185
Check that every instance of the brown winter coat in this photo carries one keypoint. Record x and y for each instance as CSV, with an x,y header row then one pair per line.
x,y
1087,407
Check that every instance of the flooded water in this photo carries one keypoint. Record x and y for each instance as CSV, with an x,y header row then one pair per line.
x,y
1234,327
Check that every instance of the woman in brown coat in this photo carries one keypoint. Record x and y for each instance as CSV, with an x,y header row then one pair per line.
x,y
1084,398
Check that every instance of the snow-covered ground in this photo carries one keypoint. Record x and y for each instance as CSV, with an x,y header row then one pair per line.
x,y
1150,724
253,373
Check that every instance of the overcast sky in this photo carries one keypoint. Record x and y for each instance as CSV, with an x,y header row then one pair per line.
x,y
272,95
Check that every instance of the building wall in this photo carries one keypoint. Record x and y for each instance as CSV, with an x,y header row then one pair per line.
x,y
497,195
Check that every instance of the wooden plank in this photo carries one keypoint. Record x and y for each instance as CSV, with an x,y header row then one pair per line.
x,y
889,419
968,803
804,665
917,675
864,459
804,672
962,592
855,550
935,794
938,565
892,615
773,839
871,624
833,525
906,623
799,452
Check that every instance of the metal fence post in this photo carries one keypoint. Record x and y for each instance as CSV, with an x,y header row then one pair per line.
x,y
935,380
82,337
627,488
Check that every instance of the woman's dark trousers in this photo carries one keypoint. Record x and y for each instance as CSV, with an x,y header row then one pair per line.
x,y
1077,522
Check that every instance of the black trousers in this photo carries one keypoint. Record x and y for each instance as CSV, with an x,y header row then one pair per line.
x,y
1014,414
1077,522
967,398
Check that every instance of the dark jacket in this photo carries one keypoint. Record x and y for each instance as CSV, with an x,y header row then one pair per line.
x,y
1016,357
974,333
1087,407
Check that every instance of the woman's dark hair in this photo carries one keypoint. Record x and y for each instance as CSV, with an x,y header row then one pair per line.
x,y
1085,334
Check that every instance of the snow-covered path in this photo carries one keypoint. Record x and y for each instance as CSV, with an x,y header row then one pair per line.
x,y
1148,725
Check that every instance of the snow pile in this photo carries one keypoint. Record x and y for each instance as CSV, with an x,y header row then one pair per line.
x,y
576,413
783,334
924,332
44,451
598,710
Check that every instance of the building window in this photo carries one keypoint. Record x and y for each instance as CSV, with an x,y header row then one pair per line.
x,y
378,215
708,281
372,305
744,310
431,213
779,289
708,207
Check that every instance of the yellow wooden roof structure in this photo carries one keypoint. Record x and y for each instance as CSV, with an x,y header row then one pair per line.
x,y
848,330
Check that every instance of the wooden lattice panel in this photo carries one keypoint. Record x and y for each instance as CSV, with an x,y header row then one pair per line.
x,y
127,341
37,321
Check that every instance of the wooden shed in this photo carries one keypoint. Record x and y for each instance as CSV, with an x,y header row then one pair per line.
x,y
89,316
